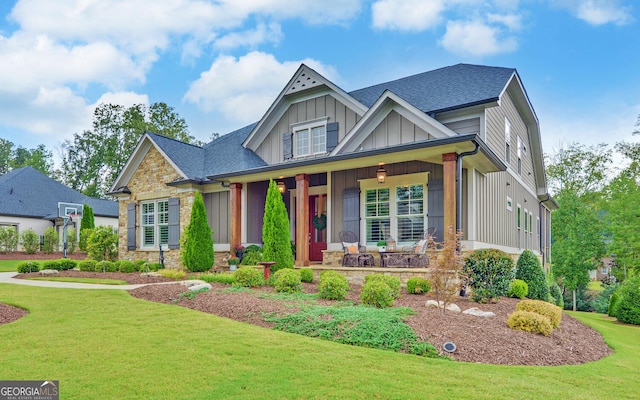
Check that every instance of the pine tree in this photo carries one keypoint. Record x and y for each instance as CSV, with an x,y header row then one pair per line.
x,y
275,230
529,270
197,242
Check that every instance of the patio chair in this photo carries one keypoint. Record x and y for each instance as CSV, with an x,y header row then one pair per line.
x,y
354,254
419,257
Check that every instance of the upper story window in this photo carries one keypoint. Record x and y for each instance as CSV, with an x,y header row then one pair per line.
x,y
155,223
310,139
520,153
507,140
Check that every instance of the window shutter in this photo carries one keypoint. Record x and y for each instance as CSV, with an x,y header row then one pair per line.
x,y
435,208
287,146
332,136
174,223
131,226
351,211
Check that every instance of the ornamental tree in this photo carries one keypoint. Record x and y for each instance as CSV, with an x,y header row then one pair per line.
x,y
197,242
528,269
275,230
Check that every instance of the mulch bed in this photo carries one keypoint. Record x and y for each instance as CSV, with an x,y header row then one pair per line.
x,y
478,339
136,278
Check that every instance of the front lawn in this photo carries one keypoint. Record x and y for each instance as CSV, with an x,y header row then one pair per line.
x,y
9,265
80,280
106,344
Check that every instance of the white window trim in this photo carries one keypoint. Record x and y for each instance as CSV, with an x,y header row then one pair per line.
x,y
391,182
156,230
509,204
507,140
307,126
518,225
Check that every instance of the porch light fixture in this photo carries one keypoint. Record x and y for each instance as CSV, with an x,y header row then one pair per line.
x,y
381,174
282,187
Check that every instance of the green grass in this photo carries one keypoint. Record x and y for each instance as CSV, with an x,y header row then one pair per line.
x,y
9,265
595,285
106,344
102,281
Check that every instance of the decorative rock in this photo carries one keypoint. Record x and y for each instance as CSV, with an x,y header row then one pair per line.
x,y
450,307
478,313
193,282
453,308
152,273
201,286
49,272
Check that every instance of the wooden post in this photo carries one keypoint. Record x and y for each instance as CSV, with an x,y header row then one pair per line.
x,y
449,161
235,214
302,219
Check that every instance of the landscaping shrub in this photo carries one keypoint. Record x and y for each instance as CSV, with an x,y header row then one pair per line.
x,y
556,294
28,266
225,278
175,274
529,321
102,244
418,286
306,275
276,234
196,242
391,281
8,238
72,240
67,264
252,248
628,309
51,264
601,302
584,299
377,293
87,265
140,265
553,313
248,277
30,241
528,269
251,258
518,289
333,285
126,266
153,266
614,305
50,240
106,266
84,236
488,273
287,280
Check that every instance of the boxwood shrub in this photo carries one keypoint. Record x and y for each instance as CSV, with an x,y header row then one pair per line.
x,y
518,289
248,277
529,321
391,281
306,275
126,266
287,280
28,266
628,308
553,313
87,265
51,264
488,273
333,286
67,264
377,293
417,285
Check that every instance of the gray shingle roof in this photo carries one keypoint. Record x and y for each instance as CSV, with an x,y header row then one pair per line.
x,y
226,153
189,158
443,89
27,192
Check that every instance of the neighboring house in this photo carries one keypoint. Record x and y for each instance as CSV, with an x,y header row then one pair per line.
x,y
29,199
458,146
603,270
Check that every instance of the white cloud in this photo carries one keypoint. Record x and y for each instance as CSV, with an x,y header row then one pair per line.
x,y
252,38
511,21
407,15
598,12
243,88
476,38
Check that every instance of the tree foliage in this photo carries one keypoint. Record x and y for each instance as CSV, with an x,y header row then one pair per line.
x,y
197,243
12,157
528,269
579,169
93,159
102,244
489,272
276,236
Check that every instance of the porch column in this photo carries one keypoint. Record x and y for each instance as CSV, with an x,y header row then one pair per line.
x,y
302,219
235,214
449,162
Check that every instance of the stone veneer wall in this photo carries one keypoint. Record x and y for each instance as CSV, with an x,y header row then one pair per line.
x,y
148,183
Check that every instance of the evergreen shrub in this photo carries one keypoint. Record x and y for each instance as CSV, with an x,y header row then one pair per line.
x,y
175,274
28,266
251,257
518,289
275,230
529,269
529,321
87,265
140,265
50,240
102,244
8,238
391,281
106,266
154,266
226,278
287,280
30,241
333,285
628,309
306,275
556,294
51,264
417,285
488,273
553,313
72,240
196,242
126,266
248,277
67,264
377,293
614,305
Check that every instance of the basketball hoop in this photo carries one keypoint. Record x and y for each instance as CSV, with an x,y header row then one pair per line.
x,y
72,216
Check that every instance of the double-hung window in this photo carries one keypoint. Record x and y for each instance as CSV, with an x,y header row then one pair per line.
x,y
155,223
310,139
410,212
377,214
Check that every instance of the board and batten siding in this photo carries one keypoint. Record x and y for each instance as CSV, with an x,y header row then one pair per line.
x,y
496,224
271,151
348,179
495,125
217,206
392,130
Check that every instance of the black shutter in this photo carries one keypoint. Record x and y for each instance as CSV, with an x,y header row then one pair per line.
x,y
435,208
332,136
351,210
131,226
287,146
174,223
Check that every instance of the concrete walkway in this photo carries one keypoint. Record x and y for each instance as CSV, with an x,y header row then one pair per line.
x,y
7,277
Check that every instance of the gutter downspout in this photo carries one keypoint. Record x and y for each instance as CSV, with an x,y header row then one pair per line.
x,y
459,185
544,253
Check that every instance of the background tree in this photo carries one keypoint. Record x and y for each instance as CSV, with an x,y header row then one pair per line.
x,y
6,148
197,243
87,224
13,158
92,160
276,236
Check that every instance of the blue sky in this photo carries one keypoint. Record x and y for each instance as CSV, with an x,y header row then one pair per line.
x,y
220,64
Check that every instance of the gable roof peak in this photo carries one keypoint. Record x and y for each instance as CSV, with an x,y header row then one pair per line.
x,y
304,78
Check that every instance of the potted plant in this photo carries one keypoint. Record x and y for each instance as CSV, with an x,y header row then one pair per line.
x,y
239,251
233,263
382,245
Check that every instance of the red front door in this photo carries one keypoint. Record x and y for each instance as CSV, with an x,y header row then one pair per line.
x,y
317,226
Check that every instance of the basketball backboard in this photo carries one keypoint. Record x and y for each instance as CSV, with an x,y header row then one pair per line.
x,y
67,209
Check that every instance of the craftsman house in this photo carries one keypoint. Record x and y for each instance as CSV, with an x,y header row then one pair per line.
x,y
457,146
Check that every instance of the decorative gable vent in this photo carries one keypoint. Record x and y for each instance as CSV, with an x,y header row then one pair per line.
x,y
303,81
